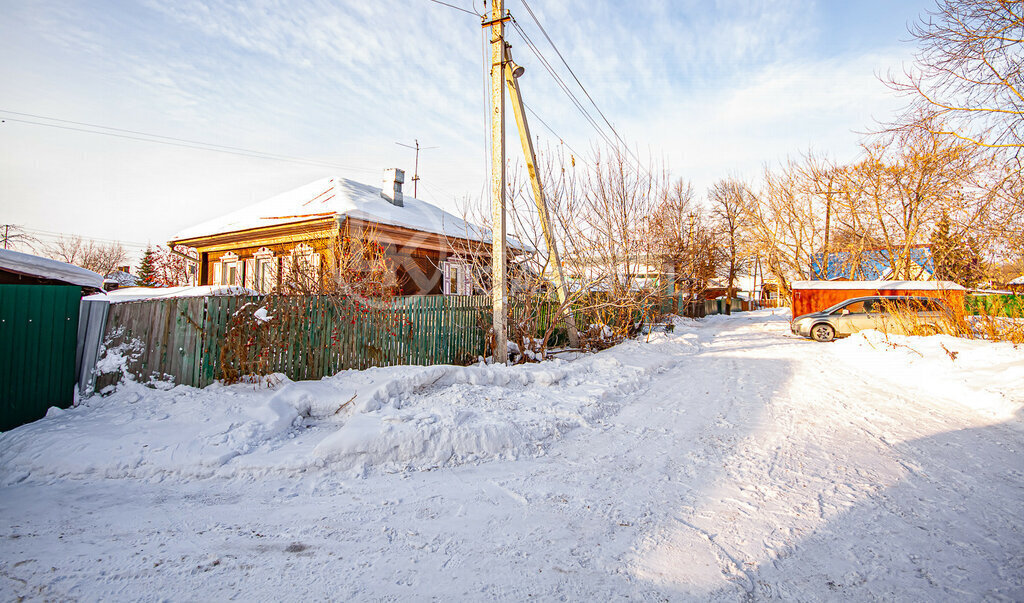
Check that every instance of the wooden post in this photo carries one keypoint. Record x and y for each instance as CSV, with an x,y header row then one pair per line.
x,y
519,110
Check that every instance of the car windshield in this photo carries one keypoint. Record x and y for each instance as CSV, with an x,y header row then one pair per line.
x,y
886,304
859,306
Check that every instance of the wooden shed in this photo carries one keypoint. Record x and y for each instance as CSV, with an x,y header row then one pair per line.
x,y
812,296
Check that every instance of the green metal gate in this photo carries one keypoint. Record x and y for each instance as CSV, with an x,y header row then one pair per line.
x,y
38,330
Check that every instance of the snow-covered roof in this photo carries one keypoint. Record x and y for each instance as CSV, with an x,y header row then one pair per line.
x,y
33,265
128,294
878,285
1017,281
341,197
122,278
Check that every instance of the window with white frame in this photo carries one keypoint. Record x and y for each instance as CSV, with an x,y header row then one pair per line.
x,y
307,265
456,278
264,270
230,270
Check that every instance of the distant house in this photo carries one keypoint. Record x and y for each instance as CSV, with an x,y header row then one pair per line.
x,y
17,268
430,251
119,278
871,264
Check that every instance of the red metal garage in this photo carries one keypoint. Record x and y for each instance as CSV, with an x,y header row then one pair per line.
x,y
812,296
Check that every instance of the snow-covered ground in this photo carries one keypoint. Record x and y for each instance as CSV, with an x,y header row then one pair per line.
x,y
725,461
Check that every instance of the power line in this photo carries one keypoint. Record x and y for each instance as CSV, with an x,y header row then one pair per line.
x,y
560,139
561,83
573,74
51,234
170,141
456,7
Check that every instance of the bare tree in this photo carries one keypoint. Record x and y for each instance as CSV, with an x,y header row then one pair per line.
x,y
968,73
14,235
98,257
786,223
684,240
906,183
730,202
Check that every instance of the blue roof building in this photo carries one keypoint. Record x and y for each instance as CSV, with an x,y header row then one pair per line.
x,y
870,264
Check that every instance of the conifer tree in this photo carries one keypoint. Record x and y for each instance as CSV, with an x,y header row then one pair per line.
x,y
147,270
956,259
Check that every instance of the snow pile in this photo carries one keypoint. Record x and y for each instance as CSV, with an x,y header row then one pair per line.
x,y
33,265
142,293
983,375
391,419
741,463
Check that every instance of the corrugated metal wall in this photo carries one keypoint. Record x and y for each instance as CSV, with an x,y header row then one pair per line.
x,y
38,332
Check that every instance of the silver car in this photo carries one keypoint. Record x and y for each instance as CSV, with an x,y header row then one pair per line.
x,y
874,312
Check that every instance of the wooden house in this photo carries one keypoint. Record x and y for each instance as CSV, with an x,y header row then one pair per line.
x,y
428,250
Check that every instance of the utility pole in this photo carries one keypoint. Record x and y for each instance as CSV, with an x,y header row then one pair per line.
x,y
416,169
499,286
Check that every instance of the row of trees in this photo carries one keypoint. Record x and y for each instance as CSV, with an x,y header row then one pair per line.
x,y
946,173
159,266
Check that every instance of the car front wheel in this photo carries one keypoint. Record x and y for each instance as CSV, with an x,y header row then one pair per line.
x,y
823,332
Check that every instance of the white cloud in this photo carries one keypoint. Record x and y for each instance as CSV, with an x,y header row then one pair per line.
x,y
784,110
713,87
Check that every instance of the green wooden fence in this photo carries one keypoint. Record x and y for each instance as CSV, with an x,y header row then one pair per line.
x,y
307,337
38,328
189,340
1010,306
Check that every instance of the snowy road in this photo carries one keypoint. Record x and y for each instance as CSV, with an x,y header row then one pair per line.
x,y
728,461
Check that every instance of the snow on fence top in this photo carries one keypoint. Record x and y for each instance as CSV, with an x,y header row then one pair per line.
x,y
880,285
342,197
35,266
141,293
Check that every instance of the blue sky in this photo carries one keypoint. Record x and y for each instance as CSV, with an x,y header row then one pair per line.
x,y
712,88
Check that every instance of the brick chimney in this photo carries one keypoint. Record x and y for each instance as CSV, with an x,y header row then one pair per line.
x,y
391,187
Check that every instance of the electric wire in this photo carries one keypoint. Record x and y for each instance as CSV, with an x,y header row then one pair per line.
x,y
573,74
465,10
176,142
58,235
572,97
561,140
561,83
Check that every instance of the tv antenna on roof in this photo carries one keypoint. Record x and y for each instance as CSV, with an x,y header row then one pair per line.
x,y
416,169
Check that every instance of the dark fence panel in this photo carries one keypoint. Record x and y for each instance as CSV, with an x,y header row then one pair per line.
x,y
38,332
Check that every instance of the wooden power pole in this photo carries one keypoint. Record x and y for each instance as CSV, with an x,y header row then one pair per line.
x,y
498,252
512,73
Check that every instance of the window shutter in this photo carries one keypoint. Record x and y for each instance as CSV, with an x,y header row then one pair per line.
x,y
250,274
445,278
286,270
467,280
217,267
272,281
